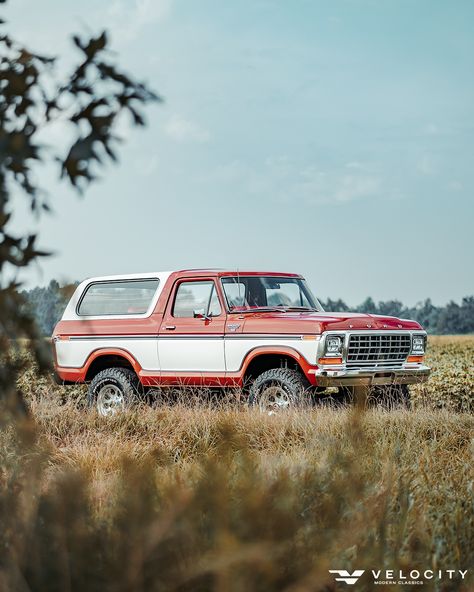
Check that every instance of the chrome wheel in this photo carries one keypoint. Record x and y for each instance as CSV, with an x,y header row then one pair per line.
x,y
110,400
274,399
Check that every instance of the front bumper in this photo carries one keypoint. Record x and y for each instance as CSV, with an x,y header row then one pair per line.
x,y
327,377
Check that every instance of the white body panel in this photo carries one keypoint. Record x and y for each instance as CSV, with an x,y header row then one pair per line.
x,y
236,349
73,353
192,355
181,354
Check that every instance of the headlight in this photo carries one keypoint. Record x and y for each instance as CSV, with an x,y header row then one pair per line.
x,y
418,344
333,345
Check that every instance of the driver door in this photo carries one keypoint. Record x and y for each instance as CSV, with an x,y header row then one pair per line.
x,y
191,336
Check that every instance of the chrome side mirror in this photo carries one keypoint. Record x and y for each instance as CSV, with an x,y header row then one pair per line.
x,y
201,314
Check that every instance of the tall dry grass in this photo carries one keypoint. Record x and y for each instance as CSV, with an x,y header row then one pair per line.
x,y
202,498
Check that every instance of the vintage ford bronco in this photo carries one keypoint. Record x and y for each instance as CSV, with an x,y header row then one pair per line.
x,y
265,332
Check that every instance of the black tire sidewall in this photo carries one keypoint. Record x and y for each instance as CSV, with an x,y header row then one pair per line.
x,y
291,382
116,377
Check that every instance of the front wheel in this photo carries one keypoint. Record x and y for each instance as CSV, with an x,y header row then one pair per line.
x,y
278,389
113,390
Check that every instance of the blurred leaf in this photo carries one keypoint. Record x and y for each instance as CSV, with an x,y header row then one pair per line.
x,y
90,100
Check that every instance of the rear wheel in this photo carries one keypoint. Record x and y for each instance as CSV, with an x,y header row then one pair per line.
x,y
113,390
277,390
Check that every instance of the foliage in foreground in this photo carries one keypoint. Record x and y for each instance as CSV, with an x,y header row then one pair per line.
x,y
230,500
87,104
199,498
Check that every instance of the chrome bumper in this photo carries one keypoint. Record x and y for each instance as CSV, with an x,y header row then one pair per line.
x,y
327,377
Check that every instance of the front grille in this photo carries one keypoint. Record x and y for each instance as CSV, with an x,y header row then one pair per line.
x,y
383,350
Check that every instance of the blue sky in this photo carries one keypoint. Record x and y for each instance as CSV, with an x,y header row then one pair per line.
x,y
334,139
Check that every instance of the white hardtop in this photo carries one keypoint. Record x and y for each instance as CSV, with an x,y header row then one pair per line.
x,y
70,313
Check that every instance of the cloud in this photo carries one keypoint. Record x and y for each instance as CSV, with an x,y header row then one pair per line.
x,y
184,130
432,129
344,185
127,19
146,165
286,181
426,165
455,185
355,187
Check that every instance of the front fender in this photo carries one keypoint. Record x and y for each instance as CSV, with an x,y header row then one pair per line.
x,y
307,368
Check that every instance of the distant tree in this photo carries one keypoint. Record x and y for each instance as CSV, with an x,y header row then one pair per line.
x,y
451,319
426,313
368,306
392,308
335,305
46,305
467,311
88,101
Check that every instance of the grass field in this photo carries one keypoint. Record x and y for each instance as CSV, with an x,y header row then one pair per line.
x,y
204,498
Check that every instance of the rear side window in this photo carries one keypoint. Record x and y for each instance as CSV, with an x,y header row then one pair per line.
x,y
118,298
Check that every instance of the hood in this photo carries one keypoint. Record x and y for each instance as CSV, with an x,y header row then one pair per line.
x,y
318,322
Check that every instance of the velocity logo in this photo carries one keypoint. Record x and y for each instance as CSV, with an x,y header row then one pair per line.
x,y
414,577
346,577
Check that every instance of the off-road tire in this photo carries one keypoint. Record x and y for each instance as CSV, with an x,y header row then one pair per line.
x,y
395,396
293,383
124,380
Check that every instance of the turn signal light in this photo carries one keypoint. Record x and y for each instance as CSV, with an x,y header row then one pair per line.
x,y
327,361
417,359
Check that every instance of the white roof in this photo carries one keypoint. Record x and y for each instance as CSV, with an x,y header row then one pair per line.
x,y
70,313
128,276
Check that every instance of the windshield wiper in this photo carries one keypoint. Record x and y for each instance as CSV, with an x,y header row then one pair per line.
x,y
275,309
260,309
309,308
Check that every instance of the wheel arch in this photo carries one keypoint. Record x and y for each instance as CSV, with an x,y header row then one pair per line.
x,y
108,358
260,359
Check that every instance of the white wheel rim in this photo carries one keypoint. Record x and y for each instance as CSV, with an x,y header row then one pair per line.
x,y
110,400
273,400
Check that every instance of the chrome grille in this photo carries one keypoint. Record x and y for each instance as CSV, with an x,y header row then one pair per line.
x,y
386,349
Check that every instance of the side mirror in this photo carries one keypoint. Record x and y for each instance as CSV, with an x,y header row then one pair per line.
x,y
201,314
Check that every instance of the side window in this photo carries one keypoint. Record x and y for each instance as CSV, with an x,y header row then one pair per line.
x,y
196,298
118,298
234,292
214,304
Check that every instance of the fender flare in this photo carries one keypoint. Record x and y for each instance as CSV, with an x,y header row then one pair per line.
x,y
277,350
112,351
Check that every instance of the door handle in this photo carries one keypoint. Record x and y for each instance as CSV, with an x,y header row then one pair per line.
x,y
170,327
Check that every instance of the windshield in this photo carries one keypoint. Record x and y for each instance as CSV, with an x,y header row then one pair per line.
x,y
249,292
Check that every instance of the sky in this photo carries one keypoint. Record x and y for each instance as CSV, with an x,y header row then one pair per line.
x,y
333,139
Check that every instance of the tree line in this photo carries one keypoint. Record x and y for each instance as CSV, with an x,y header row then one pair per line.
x,y
46,305
453,318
